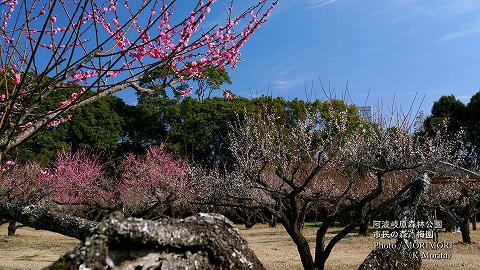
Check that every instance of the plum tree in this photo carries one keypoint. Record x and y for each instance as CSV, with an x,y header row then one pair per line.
x,y
103,47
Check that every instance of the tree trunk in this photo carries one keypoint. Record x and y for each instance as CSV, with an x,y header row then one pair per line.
x,y
450,226
435,232
363,229
12,227
320,258
474,222
465,229
40,218
273,222
302,246
204,241
320,262
250,222
403,256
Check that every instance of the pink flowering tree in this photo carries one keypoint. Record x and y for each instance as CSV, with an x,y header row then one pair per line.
x,y
151,185
102,47
157,184
78,181
21,184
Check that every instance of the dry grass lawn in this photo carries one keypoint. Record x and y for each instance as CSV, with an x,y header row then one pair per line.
x,y
31,249
277,251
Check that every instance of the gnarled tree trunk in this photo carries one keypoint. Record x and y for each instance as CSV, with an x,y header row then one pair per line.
x,y
204,241
38,217
403,256
474,222
363,229
465,229
12,228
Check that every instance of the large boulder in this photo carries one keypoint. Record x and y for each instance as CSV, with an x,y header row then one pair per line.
x,y
204,241
392,259
402,256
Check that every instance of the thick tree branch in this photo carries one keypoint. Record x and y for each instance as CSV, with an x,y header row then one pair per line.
x,y
40,218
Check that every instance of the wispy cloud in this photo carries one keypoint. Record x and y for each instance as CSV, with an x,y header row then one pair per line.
x,y
405,10
282,71
290,83
282,84
467,31
311,4
446,7
461,6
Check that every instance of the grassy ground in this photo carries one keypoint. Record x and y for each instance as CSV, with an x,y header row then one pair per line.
x,y
276,250
31,249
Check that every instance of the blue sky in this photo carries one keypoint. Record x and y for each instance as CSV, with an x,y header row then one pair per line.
x,y
392,47
395,48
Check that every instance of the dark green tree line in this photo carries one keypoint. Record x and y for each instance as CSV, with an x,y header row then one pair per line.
x,y
450,111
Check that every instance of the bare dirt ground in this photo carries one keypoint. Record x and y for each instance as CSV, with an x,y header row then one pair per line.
x,y
277,251
31,249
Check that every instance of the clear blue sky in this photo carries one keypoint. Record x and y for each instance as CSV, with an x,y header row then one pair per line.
x,y
393,47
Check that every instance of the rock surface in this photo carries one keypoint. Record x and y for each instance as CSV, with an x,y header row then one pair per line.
x,y
402,256
392,259
204,241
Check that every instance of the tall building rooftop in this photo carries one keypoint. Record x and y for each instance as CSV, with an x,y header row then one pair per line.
x,y
366,112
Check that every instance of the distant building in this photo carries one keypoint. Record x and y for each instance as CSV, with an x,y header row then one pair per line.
x,y
419,120
447,173
366,112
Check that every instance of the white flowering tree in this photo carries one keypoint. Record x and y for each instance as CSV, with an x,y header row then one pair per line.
x,y
456,189
330,161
